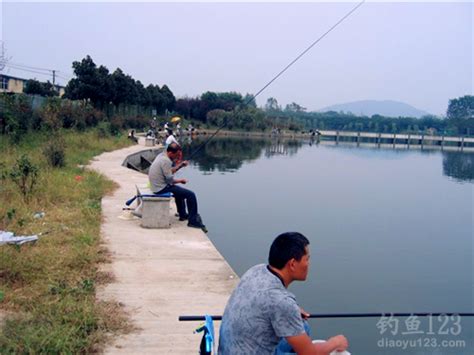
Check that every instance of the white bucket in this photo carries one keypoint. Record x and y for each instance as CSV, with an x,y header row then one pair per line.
x,y
345,352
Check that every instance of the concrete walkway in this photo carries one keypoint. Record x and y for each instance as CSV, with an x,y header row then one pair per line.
x,y
160,273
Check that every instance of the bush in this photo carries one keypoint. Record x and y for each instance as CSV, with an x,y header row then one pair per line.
x,y
93,117
54,151
103,129
50,114
137,122
25,175
116,125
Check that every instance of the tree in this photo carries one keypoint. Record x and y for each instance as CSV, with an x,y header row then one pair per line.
x,y
124,88
461,108
227,101
186,106
90,83
143,98
168,97
272,105
217,117
34,87
249,99
460,113
294,107
157,101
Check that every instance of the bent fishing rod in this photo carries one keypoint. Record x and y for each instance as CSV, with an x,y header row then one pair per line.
x,y
252,97
347,315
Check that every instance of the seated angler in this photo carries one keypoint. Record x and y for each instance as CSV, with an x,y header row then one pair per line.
x,y
162,180
262,316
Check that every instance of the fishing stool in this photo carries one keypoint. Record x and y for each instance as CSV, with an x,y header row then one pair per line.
x,y
149,142
155,208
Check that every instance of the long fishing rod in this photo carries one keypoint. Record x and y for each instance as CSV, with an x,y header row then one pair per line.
x,y
252,97
346,315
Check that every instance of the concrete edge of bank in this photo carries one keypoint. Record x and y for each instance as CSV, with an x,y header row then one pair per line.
x,y
159,274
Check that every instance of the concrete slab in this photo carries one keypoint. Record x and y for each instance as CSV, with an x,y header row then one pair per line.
x,y
160,274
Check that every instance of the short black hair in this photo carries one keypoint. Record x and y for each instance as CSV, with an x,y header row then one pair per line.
x,y
287,246
173,148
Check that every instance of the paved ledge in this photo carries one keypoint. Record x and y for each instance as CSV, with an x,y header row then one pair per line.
x,y
160,273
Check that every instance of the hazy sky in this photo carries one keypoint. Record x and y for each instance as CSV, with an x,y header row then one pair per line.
x,y
418,53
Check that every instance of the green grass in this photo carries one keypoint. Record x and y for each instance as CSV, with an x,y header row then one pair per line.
x,y
48,288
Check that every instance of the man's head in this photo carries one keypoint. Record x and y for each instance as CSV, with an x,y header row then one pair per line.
x,y
290,251
173,151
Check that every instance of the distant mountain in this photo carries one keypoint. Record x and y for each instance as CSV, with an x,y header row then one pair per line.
x,y
387,108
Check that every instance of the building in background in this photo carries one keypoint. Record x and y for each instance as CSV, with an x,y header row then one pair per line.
x,y
17,85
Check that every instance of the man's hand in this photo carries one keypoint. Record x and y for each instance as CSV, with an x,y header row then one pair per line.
x,y
183,181
304,314
340,342
179,166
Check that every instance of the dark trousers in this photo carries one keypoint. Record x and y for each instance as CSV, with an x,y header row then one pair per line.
x,y
183,198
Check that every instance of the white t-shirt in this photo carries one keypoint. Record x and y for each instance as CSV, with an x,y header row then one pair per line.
x,y
170,139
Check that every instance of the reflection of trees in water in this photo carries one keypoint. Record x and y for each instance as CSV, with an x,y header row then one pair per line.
x,y
229,154
225,154
459,166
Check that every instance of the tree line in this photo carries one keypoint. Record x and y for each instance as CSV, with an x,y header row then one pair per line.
x,y
107,91
459,119
101,87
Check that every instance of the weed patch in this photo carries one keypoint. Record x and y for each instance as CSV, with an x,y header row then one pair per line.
x,y
50,286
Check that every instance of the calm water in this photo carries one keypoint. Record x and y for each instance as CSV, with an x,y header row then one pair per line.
x,y
390,231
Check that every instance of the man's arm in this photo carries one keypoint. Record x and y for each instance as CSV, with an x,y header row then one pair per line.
x,y
179,181
303,345
179,166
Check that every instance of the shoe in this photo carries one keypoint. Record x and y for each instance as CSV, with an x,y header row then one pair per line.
x,y
196,225
184,218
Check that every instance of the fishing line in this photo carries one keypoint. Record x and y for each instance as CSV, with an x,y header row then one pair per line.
x,y
252,97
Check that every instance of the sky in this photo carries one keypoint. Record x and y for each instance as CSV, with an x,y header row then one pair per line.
x,y
418,53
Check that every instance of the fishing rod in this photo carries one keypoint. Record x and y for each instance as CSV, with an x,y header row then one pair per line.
x,y
252,97
345,315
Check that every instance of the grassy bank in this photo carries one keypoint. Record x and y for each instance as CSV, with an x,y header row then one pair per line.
x,y
47,289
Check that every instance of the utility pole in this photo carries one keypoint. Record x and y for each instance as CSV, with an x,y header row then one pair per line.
x,y
54,77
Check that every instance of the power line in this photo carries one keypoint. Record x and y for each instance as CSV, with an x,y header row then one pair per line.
x,y
62,77
38,70
27,70
30,67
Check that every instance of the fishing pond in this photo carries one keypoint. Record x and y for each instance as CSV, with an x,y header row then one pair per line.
x,y
390,231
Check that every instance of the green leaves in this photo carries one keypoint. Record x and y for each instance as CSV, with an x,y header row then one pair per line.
x,y
25,175
100,87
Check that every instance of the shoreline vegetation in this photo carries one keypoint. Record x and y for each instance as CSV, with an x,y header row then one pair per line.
x,y
48,288
125,102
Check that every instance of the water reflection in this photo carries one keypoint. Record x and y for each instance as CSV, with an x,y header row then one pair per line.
x,y
224,155
459,166
230,153
278,146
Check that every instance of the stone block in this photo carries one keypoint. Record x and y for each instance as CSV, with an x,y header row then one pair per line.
x,y
156,212
149,142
